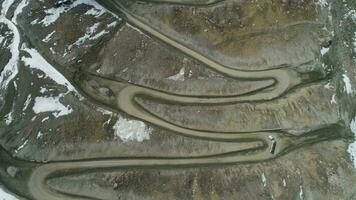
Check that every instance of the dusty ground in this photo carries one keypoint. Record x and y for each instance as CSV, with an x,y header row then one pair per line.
x,y
66,60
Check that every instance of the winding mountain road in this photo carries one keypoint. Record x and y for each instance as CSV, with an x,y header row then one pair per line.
x,y
265,145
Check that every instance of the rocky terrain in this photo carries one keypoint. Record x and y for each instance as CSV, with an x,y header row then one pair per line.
x,y
177,99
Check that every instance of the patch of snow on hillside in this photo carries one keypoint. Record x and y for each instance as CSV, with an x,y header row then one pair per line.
x,y
322,3
348,87
95,12
90,34
179,76
27,102
19,10
21,146
354,42
131,130
51,104
352,147
301,192
53,14
6,196
324,50
11,69
6,6
48,37
36,61
264,180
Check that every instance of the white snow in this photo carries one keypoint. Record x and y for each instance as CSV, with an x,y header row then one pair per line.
x,y
333,99
95,12
6,196
90,34
11,69
39,135
6,6
19,10
48,37
301,193
21,146
51,104
322,3
324,50
264,180
112,24
36,61
348,87
131,130
179,76
9,118
27,102
352,147
53,14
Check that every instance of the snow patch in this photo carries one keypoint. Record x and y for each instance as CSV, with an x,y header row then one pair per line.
x,y
6,196
51,104
324,50
27,102
352,147
348,87
179,76
6,6
264,180
48,37
333,99
53,14
95,12
36,61
301,193
131,130
11,68
19,10
21,146
322,3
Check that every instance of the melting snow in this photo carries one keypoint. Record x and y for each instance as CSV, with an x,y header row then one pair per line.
x,y
131,130
322,3
54,13
348,86
179,76
27,102
48,37
10,70
6,196
19,9
112,24
264,180
89,32
324,50
301,193
21,147
51,104
6,6
333,99
39,135
95,12
36,61
352,147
